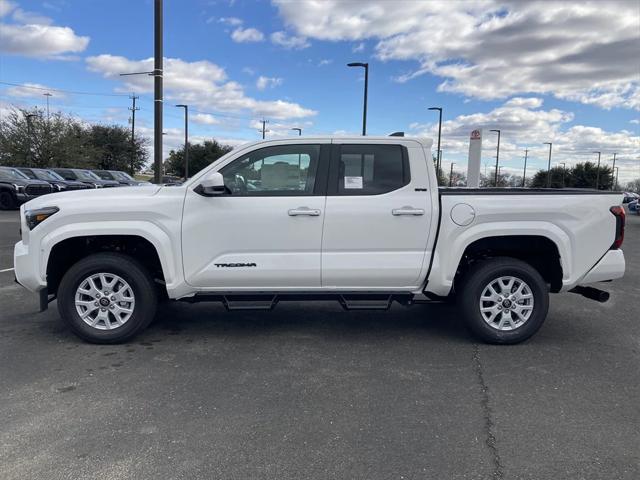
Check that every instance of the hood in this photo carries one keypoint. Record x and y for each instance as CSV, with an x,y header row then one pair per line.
x,y
107,195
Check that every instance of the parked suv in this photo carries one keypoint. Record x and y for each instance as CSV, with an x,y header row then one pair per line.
x,y
85,176
58,183
16,188
122,178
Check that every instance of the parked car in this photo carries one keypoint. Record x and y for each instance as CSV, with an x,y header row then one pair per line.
x,y
16,188
629,197
59,184
122,178
85,176
633,206
360,220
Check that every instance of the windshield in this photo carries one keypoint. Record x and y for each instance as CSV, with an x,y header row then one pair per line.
x,y
121,175
5,175
103,174
86,175
47,175
14,173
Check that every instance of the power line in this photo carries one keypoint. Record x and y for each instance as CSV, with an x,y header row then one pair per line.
x,y
73,92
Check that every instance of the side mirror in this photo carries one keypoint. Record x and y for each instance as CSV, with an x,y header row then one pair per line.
x,y
212,186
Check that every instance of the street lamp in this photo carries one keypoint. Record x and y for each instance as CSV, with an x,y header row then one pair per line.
x,y
564,169
598,171
549,165
497,155
366,87
299,130
28,117
616,185
451,174
524,173
439,109
186,140
612,169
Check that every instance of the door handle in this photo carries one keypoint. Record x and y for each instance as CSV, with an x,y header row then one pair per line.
x,y
300,211
407,211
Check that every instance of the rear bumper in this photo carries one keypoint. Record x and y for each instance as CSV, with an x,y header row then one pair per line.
x,y
26,268
610,267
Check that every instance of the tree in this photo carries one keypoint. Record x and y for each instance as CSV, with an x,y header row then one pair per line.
x,y
200,156
28,138
633,186
582,175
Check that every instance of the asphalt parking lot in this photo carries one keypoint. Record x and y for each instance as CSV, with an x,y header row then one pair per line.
x,y
310,391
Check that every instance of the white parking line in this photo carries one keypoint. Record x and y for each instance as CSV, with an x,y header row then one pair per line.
x,y
7,270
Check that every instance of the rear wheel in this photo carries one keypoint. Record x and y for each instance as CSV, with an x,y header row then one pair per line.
x,y
504,300
107,298
7,202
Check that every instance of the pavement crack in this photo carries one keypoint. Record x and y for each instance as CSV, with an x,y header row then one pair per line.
x,y
489,426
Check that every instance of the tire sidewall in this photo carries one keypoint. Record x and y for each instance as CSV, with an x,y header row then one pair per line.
x,y
7,201
490,271
129,270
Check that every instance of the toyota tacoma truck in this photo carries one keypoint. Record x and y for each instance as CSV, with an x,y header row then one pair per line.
x,y
358,220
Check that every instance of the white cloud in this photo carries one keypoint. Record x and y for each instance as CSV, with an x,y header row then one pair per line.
x,y
247,35
635,121
357,48
525,125
324,62
290,42
491,49
202,84
267,82
32,35
31,90
204,119
232,21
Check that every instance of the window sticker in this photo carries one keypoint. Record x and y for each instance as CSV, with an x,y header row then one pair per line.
x,y
353,183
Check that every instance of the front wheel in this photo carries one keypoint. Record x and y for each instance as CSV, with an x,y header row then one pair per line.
x,y
107,298
504,300
7,202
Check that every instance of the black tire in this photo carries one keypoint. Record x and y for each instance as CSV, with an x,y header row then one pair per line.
x,y
7,202
479,277
129,270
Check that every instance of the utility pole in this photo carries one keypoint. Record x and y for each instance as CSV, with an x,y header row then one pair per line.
x,y
439,109
524,173
564,169
451,174
598,171
157,92
497,155
47,95
186,140
613,169
617,171
133,109
549,165
29,116
264,127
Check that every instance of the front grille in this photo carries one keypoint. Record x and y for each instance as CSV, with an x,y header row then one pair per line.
x,y
35,190
109,186
77,187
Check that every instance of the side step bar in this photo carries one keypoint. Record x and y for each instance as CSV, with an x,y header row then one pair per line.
x,y
267,301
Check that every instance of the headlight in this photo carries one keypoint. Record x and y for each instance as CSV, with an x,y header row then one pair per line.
x,y
60,187
19,188
36,217
97,185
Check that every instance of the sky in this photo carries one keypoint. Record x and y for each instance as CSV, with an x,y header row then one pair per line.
x,y
545,71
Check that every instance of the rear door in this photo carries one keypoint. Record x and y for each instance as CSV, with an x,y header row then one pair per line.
x,y
377,217
266,232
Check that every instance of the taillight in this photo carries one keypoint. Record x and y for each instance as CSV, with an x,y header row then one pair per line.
x,y
618,212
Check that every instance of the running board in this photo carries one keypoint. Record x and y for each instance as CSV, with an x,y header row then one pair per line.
x,y
268,300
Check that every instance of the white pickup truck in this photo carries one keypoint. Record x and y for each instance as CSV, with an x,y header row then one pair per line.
x,y
360,220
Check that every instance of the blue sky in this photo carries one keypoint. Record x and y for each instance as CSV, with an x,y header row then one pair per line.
x,y
489,64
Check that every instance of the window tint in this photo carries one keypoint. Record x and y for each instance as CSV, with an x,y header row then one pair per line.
x,y
371,169
66,173
103,175
281,170
29,173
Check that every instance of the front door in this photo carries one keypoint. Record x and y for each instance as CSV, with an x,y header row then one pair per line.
x,y
266,232
377,217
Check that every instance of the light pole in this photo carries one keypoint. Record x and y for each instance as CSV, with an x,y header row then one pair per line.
x,y
186,140
439,109
366,88
451,174
598,171
497,155
28,117
613,169
549,165
524,173
616,185
564,169
299,130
